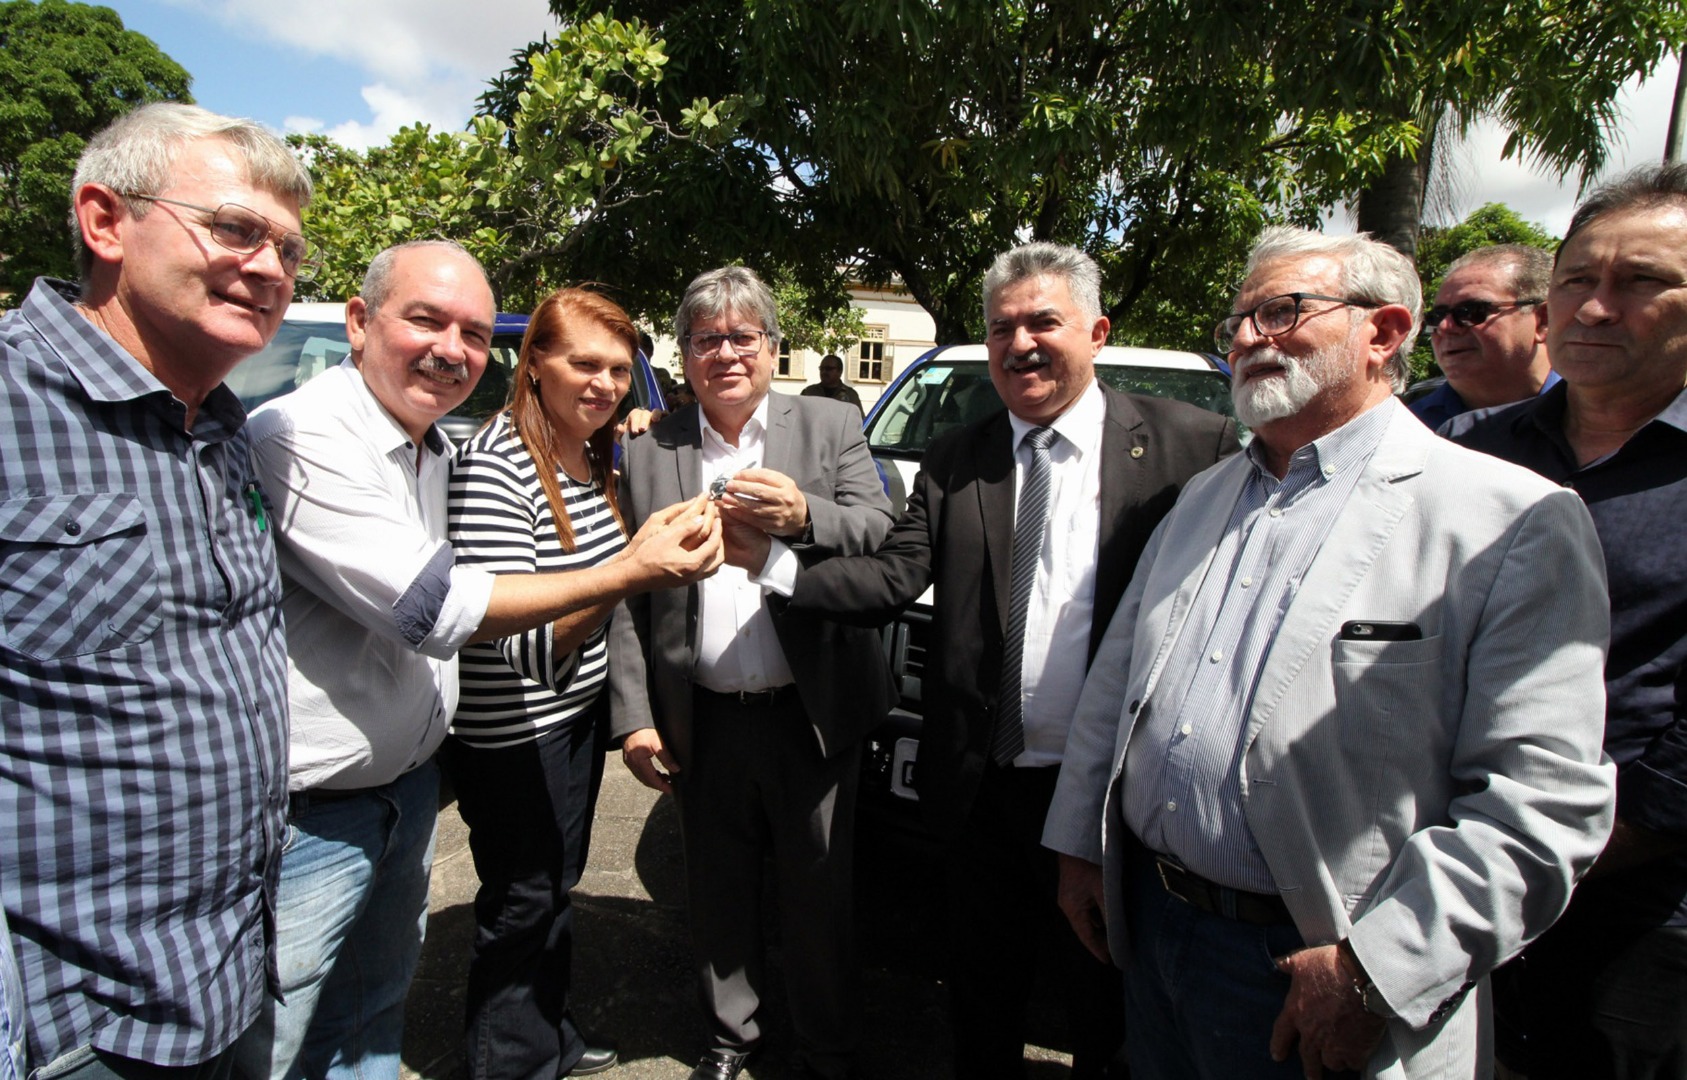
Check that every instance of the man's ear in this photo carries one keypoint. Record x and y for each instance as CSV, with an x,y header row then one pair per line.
x,y
1541,317
1391,326
101,215
357,324
1098,334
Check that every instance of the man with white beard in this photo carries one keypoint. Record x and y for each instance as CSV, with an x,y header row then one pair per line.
x,y
1341,718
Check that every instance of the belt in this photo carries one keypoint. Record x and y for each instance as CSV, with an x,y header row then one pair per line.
x,y
299,801
751,699
1255,909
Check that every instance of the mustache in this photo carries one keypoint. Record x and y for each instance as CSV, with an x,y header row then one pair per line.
x,y
1027,361
436,365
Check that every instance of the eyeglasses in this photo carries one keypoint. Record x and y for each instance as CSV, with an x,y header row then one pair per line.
x,y
1468,313
1275,316
743,342
238,229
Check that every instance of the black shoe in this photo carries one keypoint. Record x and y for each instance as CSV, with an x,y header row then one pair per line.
x,y
596,1059
720,1064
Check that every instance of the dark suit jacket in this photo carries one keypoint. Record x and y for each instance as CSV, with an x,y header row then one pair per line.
x,y
957,534
840,671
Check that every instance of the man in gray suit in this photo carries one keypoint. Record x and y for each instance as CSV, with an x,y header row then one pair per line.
x,y
1342,716
751,717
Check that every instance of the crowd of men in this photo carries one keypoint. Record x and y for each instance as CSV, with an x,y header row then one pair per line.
x,y
1309,758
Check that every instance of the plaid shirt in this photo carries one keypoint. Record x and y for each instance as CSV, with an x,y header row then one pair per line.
x,y
143,700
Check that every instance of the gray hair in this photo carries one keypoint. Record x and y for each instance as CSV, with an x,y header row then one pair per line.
x,y
1079,271
1370,270
377,280
1529,269
1646,188
730,288
137,153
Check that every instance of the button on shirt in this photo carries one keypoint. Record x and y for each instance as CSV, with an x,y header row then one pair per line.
x,y
1062,604
142,700
376,609
737,648
1184,766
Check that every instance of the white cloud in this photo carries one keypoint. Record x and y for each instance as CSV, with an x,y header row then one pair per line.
x,y
407,43
426,60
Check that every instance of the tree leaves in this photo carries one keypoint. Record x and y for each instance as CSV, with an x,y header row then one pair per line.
x,y
66,71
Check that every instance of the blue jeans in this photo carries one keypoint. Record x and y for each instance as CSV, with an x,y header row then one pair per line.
x,y
350,915
1201,990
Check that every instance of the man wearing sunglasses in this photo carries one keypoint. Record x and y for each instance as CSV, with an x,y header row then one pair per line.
x,y
143,697
1341,720
1485,328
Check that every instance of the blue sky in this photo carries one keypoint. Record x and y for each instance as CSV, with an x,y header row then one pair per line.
x,y
358,70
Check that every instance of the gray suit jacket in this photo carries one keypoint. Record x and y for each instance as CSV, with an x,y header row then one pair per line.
x,y
841,674
1432,800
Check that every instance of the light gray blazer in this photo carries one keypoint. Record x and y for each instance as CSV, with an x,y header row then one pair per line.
x,y
841,674
1432,800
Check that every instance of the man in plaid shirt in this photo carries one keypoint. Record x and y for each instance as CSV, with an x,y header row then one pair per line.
x,y
143,693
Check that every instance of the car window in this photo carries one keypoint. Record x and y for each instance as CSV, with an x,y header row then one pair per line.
x,y
303,350
943,396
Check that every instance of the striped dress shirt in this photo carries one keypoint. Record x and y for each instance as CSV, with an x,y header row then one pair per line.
x,y
1183,794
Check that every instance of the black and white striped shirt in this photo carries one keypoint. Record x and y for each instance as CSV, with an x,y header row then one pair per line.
x,y
515,688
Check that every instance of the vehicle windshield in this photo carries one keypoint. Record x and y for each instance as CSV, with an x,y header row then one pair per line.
x,y
303,350
949,395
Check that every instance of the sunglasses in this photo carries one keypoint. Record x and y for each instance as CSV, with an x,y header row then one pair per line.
x,y
1469,313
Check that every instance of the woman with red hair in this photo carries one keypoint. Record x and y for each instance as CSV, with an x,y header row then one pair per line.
x,y
534,492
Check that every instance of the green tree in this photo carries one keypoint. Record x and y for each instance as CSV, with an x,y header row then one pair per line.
x,y
66,71
913,139
517,190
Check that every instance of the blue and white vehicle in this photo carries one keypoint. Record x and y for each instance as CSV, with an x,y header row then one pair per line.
x,y
312,339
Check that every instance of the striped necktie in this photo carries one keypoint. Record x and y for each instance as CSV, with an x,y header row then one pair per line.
x,y
1008,740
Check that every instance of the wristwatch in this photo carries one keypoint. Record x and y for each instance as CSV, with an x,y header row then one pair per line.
x,y
1370,998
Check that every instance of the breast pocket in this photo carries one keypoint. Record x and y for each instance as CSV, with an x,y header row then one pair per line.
x,y
1383,691
79,574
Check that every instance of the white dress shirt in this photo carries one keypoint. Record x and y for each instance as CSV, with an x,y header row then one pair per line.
x,y
1062,604
737,648
375,607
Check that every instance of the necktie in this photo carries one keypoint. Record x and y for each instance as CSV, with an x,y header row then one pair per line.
x,y
1009,738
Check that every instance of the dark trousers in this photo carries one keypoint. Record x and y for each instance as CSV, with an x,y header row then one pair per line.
x,y
1598,999
756,785
529,812
1006,925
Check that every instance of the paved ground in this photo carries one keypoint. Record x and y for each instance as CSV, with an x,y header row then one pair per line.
x,y
632,969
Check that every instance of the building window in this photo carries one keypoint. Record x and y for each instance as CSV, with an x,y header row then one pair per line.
x,y
872,364
787,365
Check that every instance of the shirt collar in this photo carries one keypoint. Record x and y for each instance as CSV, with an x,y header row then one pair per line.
x,y
754,427
1347,447
107,372
1079,425
379,419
